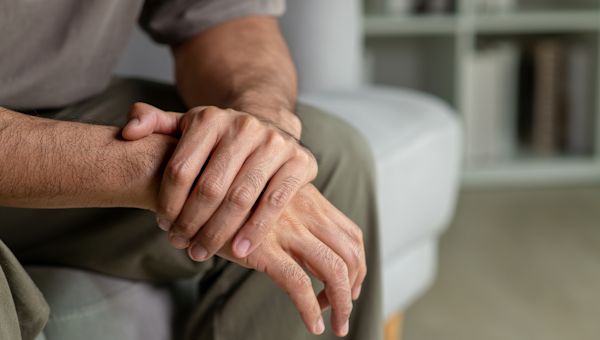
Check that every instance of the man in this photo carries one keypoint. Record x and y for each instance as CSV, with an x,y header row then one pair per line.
x,y
229,177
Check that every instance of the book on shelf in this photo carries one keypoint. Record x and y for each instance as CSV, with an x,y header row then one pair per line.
x,y
580,100
538,98
556,98
491,104
494,6
399,6
435,6
549,115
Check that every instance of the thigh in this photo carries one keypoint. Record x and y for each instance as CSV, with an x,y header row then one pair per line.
x,y
237,303
23,310
347,179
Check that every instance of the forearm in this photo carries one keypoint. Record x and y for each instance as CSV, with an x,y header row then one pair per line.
x,y
243,64
56,164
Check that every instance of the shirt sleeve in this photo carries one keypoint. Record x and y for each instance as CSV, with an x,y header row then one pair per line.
x,y
173,21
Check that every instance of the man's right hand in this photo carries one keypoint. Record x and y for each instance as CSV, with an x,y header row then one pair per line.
x,y
312,236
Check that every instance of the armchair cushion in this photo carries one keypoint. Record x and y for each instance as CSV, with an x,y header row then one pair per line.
x,y
416,142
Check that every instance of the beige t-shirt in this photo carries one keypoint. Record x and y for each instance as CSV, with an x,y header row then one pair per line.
x,y
55,53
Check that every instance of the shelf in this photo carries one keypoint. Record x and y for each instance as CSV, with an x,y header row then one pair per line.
x,y
448,39
538,22
505,23
388,25
536,173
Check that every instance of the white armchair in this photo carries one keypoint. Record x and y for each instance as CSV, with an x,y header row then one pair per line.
x,y
416,141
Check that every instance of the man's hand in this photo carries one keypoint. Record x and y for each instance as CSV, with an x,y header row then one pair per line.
x,y
311,233
241,159
314,235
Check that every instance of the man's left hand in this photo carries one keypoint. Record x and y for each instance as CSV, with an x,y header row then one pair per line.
x,y
226,163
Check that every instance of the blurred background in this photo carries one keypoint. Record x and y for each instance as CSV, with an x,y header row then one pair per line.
x,y
522,257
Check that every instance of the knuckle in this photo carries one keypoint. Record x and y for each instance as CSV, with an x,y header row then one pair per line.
x,y
279,198
210,189
314,170
247,123
211,112
179,171
305,155
295,277
210,116
255,178
357,256
218,164
275,139
308,160
303,281
339,269
241,197
359,235
356,238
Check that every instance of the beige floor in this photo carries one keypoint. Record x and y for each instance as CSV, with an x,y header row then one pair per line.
x,y
516,265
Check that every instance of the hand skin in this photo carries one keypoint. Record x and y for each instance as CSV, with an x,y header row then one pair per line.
x,y
244,67
332,246
241,161
54,164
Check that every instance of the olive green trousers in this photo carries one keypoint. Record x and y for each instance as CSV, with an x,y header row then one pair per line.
x,y
235,303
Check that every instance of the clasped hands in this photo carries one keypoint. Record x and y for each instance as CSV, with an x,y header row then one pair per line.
x,y
239,186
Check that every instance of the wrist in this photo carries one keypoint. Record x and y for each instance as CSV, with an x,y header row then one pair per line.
x,y
277,111
149,157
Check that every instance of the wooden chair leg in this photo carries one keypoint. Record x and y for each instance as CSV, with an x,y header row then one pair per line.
x,y
393,327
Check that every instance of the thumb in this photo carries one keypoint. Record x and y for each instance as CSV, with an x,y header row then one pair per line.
x,y
145,119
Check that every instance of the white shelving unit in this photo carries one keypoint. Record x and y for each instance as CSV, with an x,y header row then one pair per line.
x,y
427,53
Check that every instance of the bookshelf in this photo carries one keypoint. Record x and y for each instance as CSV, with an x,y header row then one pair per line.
x,y
428,52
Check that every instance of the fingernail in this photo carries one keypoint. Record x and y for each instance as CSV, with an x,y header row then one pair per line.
x,y
356,292
134,122
164,224
179,242
243,247
320,326
345,328
198,252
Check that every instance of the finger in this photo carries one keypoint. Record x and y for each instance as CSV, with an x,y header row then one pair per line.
x,y
348,243
245,190
145,119
282,187
349,249
357,250
209,192
181,172
290,277
330,268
